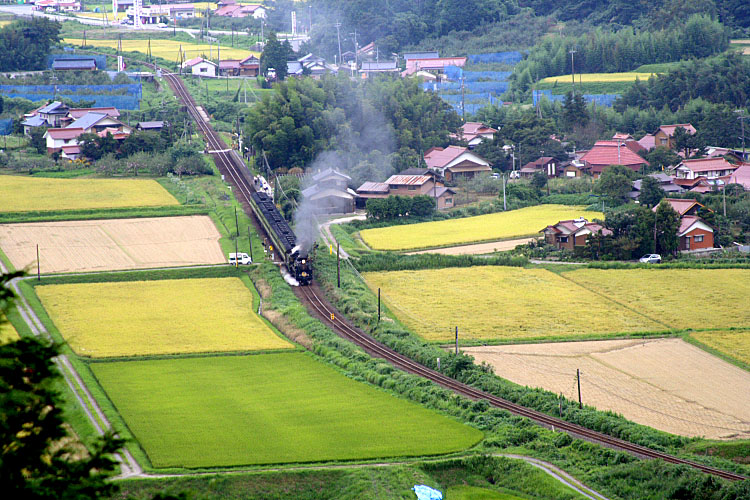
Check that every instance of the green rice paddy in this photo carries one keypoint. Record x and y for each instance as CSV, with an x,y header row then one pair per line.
x,y
265,409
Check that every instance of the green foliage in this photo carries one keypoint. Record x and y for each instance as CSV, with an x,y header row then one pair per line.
x,y
36,461
387,261
275,55
393,207
364,122
665,229
604,51
24,44
574,111
38,142
615,183
651,192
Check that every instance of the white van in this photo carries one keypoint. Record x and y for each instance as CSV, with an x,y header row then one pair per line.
x,y
242,259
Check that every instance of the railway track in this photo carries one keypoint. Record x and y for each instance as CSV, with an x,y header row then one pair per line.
x,y
232,166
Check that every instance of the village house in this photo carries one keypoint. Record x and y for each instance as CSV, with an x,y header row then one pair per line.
x,y
153,126
329,192
82,64
200,67
230,8
97,122
474,133
570,234
370,68
57,138
229,67
663,136
666,183
607,153
711,168
433,65
407,185
546,164
53,113
741,176
647,142
694,233
57,5
455,161
250,66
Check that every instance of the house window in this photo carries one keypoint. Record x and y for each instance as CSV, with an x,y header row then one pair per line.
x,y
203,70
448,201
663,142
698,239
563,239
412,188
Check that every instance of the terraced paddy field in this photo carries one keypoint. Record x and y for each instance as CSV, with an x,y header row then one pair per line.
x,y
112,244
7,332
732,343
501,303
167,49
137,318
22,194
679,298
273,408
491,227
629,76
667,384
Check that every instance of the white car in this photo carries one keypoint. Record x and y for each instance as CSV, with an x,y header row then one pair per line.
x,y
242,259
652,258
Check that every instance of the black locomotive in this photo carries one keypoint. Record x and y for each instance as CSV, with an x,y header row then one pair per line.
x,y
282,238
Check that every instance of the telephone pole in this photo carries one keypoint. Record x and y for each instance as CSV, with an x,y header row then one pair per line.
x,y
338,37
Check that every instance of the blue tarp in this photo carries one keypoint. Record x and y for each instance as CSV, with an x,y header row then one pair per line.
x,y
100,100
133,89
510,58
600,99
6,126
426,493
101,60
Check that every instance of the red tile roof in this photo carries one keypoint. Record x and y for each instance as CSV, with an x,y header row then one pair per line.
x,y
605,153
408,180
64,133
373,187
680,206
229,64
476,128
707,164
669,129
687,221
648,141
439,157
741,176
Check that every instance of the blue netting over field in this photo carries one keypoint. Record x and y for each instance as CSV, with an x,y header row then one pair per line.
x,y
133,89
100,100
600,99
101,60
481,88
510,58
6,126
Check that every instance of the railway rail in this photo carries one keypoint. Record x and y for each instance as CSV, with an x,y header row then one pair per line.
x,y
232,166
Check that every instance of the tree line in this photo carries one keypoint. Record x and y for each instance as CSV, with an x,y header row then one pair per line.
x,y
25,44
602,51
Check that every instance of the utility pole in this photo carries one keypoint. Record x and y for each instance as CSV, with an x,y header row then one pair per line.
x,y
38,266
578,377
505,207
456,341
378,305
572,70
338,265
742,122
250,240
356,51
338,37
463,98
309,11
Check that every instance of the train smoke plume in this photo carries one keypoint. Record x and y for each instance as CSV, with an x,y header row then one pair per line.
x,y
362,150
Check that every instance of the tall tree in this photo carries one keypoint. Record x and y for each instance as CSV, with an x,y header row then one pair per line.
x,y
615,183
275,55
666,225
651,192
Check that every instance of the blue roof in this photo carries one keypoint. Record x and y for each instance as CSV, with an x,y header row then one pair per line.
x,y
87,121
49,108
34,121
421,55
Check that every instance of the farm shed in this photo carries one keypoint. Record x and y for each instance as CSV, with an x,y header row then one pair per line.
x,y
201,67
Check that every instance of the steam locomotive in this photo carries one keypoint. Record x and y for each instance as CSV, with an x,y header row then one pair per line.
x,y
284,241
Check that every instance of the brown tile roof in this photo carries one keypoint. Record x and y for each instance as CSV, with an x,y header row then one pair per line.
x,y
679,205
707,164
669,129
407,180
439,157
373,187
64,133
605,153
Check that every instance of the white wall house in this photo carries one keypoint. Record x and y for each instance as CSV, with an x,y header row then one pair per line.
x,y
201,67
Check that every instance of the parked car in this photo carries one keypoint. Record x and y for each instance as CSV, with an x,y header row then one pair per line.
x,y
652,258
242,259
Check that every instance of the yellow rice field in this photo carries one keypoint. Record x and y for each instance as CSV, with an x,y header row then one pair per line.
x,y
733,343
158,317
167,49
598,77
21,194
7,332
497,303
680,298
498,226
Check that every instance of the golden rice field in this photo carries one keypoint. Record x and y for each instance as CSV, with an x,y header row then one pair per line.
x,y
679,298
500,303
21,194
137,318
733,343
598,77
7,332
498,226
167,49
666,383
